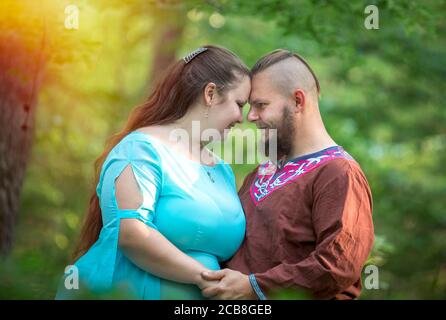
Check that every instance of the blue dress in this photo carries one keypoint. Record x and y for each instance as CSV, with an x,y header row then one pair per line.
x,y
204,219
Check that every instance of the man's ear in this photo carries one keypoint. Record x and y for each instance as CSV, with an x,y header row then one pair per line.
x,y
299,99
209,93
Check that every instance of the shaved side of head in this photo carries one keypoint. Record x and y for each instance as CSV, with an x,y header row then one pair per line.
x,y
288,72
291,74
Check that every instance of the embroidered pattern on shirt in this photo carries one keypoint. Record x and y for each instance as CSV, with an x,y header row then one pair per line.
x,y
268,179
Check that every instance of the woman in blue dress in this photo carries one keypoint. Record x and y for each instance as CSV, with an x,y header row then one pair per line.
x,y
161,213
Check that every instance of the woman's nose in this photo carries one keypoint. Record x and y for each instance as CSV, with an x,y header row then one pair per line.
x,y
240,116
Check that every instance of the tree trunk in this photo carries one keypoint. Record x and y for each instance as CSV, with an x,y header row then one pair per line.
x,y
20,78
170,22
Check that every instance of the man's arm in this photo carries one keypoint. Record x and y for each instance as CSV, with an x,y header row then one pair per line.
x,y
342,220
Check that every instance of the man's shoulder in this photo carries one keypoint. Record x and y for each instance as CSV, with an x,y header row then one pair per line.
x,y
340,167
339,173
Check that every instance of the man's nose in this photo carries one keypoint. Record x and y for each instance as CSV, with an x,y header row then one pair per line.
x,y
252,115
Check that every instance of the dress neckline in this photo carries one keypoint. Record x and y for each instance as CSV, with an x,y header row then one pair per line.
x,y
169,148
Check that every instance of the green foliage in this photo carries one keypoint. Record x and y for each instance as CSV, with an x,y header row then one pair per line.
x,y
382,98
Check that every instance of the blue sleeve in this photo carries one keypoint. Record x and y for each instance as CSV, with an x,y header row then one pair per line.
x,y
99,265
146,167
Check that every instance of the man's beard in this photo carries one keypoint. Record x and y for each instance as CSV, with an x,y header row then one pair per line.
x,y
284,135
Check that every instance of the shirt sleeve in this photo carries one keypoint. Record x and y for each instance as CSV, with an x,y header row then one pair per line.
x,y
342,221
146,167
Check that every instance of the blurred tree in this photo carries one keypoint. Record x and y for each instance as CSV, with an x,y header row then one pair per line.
x,y
22,59
169,27
24,53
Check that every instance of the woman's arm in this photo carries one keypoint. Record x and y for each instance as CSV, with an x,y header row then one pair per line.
x,y
147,247
152,252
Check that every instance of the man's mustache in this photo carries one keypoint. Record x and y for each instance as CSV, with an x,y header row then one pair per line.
x,y
261,125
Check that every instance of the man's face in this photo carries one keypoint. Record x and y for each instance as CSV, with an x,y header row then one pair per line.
x,y
270,108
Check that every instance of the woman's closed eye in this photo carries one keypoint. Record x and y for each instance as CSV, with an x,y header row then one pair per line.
x,y
241,104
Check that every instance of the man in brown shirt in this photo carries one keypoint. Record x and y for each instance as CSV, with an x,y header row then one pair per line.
x,y
309,217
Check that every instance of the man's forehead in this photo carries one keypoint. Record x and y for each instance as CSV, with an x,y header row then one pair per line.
x,y
261,77
262,81
260,87
253,96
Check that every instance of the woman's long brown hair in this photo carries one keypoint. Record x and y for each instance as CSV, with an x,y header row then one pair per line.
x,y
171,98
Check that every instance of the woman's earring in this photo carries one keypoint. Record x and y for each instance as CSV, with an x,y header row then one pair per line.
x,y
206,112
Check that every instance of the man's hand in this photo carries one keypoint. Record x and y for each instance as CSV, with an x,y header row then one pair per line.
x,y
232,285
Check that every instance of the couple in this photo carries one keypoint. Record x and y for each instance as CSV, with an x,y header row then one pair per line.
x,y
164,225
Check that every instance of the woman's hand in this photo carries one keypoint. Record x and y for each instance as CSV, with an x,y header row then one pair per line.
x,y
204,284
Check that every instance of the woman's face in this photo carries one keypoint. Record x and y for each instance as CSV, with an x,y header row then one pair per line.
x,y
228,109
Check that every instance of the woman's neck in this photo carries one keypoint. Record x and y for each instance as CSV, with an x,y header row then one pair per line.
x,y
190,126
